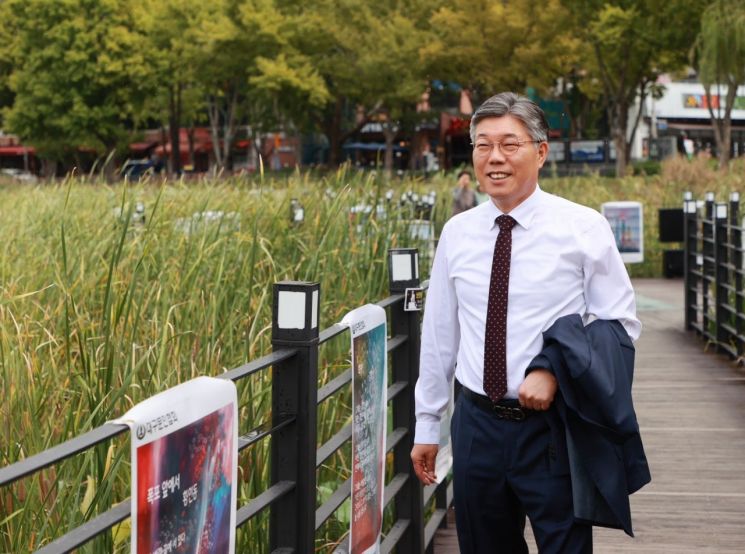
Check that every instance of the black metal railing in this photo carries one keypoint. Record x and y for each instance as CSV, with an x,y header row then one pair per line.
x,y
714,272
295,455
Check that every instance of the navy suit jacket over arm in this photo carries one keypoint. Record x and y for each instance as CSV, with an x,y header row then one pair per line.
x,y
594,367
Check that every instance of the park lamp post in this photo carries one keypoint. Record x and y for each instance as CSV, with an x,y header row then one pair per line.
x,y
721,210
297,212
403,269
734,205
295,306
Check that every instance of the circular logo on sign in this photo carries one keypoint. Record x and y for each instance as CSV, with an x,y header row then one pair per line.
x,y
140,432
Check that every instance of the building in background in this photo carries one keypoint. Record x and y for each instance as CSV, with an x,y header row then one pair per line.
x,y
682,115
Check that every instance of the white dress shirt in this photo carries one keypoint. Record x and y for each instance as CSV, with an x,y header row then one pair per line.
x,y
564,261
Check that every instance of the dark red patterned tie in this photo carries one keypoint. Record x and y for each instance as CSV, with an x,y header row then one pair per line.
x,y
495,336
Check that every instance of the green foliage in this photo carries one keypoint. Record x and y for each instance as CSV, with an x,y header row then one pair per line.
x,y
169,29
78,73
627,44
719,54
495,46
647,167
720,48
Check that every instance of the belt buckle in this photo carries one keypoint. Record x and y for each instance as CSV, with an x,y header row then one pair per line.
x,y
512,414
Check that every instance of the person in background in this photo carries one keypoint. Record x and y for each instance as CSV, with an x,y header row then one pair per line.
x,y
463,196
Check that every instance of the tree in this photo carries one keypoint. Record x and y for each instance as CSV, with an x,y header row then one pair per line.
x,y
491,46
628,44
79,76
367,53
246,64
324,34
390,75
720,60
170,27
6,67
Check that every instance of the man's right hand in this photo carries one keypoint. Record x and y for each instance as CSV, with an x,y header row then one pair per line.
x,y
423,457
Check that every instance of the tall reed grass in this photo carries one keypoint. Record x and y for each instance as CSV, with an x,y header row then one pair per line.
x,y
99,310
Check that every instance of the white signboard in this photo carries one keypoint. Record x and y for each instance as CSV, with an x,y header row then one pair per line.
x,y
627,223
586,151
184,469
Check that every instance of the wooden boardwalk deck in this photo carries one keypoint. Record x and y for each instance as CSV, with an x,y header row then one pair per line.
x,y
691,409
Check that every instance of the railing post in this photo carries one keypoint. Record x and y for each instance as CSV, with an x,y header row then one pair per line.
x,y
295,394
403,271
735,241
721,274
690,225
708,269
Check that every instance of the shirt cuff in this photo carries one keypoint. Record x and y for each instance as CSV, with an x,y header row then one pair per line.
x,y
427,432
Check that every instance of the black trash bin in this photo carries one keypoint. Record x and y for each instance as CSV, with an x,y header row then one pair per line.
x,y
671,224
672,263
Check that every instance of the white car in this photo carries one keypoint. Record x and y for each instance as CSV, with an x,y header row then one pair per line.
x,y
18,175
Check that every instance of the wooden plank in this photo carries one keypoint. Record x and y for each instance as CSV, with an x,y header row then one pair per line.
x,y
691,409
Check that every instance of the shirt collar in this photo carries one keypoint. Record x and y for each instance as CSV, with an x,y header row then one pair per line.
x,y
523,212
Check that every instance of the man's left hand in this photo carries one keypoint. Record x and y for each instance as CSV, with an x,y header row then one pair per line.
x,y
538,390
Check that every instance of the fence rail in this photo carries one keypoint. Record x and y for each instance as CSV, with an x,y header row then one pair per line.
x,y
295,454
714,272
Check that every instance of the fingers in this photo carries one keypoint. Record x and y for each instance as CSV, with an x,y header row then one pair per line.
x,y
535,404
425,473
533,401
538,390
423,460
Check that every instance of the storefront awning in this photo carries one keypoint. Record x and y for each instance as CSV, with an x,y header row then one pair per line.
x,y
17,150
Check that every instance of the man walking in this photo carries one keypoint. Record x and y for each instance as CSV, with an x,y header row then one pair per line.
x,y
503,273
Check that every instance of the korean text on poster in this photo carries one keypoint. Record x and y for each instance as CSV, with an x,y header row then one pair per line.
x,y
184,469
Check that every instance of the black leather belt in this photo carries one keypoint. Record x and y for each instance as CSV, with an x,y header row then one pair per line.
x,y
507,408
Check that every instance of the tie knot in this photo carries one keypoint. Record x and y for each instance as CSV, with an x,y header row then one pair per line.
x,y
506,222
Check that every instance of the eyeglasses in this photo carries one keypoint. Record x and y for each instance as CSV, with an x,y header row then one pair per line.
x,y
507,147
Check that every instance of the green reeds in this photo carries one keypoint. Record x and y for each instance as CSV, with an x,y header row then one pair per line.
x,y
99,310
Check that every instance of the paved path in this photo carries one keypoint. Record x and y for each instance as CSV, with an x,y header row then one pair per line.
x,y
691,409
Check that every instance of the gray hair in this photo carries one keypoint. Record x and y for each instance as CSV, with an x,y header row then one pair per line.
x,y
519,107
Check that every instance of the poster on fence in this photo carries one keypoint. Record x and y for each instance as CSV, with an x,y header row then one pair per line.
x,y
627,223
369,370
184,469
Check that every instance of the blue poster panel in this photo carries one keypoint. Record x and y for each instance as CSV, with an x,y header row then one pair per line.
x,y
369,370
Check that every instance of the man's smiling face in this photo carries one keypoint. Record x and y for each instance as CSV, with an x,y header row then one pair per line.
x,y
507,179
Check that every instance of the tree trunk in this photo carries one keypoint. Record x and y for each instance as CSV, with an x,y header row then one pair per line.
x,y
213,111
618,114
333,133
174,124
416,150
164,142
190,137
229,130
722,123
724,149
49,168
389,132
